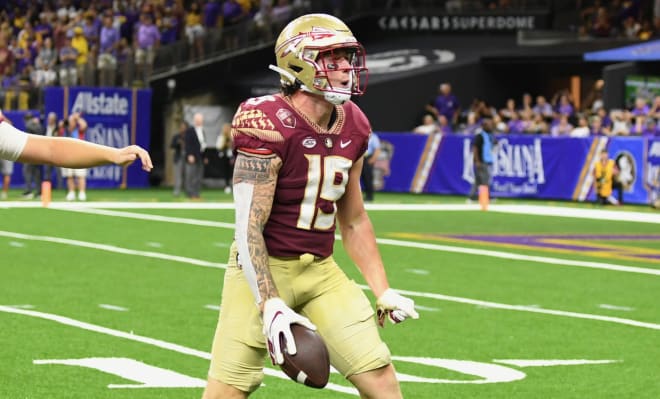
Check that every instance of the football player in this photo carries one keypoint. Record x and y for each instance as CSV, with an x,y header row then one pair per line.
x,y
297,173
16,145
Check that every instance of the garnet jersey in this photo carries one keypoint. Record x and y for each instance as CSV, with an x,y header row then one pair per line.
x,y
314,173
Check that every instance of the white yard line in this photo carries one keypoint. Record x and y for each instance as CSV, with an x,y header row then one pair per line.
x,y
112,307
541,210
495,305
147,340
202,263
400,243
113,248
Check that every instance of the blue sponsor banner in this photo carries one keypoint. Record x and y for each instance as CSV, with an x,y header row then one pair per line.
x,y
400,154
651,169
115,117
524,166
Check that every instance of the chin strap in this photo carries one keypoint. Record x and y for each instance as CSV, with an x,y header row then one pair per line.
x,y
332,97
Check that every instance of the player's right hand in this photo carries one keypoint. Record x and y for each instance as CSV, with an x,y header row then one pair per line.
x,y
127,155
277,318
395,307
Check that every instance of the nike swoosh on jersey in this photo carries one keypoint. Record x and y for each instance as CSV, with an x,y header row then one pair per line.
x,y
344,145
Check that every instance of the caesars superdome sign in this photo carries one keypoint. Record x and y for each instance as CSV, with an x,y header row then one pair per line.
x,y
464,23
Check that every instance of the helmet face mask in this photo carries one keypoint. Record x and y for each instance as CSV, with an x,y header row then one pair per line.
x,y
312,47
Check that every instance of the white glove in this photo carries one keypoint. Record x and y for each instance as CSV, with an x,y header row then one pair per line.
x,y
277,319
396,307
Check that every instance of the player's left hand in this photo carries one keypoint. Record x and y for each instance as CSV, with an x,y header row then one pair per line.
x,y
396,307
127,155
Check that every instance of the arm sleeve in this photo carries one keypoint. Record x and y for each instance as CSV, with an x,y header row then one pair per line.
x,y
12,142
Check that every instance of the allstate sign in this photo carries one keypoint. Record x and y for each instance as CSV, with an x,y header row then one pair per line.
x,y
112,120
94,103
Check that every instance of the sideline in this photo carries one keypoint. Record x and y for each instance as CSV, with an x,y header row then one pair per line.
x,y
440,297
539,210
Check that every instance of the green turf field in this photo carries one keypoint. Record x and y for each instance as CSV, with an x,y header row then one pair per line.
x,y
123,302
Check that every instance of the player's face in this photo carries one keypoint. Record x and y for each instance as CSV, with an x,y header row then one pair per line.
x,y
338,65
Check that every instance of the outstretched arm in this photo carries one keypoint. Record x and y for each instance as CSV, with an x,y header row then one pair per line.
x,y
66,152
72,153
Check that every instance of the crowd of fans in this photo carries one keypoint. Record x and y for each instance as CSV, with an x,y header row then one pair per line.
x,y
555,117
115,43
630,19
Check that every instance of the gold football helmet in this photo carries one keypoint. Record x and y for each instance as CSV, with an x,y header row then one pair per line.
x,y
300,51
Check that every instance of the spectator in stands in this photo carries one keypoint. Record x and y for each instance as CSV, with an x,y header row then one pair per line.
x,y
582,128
543,108
641,107
195,31
605,118
597,128
147,40
124,61
6,60
75,127
32,172
471,124
282,13
429,125
620,123
594,98
601,26
168,25
527,103
515,125
562,128
445,103
444,125
68,70
79,42
563,103
235,24
107,60
654,109
44,73
538,125
507,112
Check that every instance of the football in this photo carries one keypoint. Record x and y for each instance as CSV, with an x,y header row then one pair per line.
x,y
311,363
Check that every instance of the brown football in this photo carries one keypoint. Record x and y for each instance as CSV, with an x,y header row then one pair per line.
x,y
311,363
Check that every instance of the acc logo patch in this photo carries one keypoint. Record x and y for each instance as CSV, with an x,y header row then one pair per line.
x,y
286,117
309,142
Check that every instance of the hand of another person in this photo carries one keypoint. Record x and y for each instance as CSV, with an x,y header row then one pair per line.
x,y
277,319
127,155
191,158
396,307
